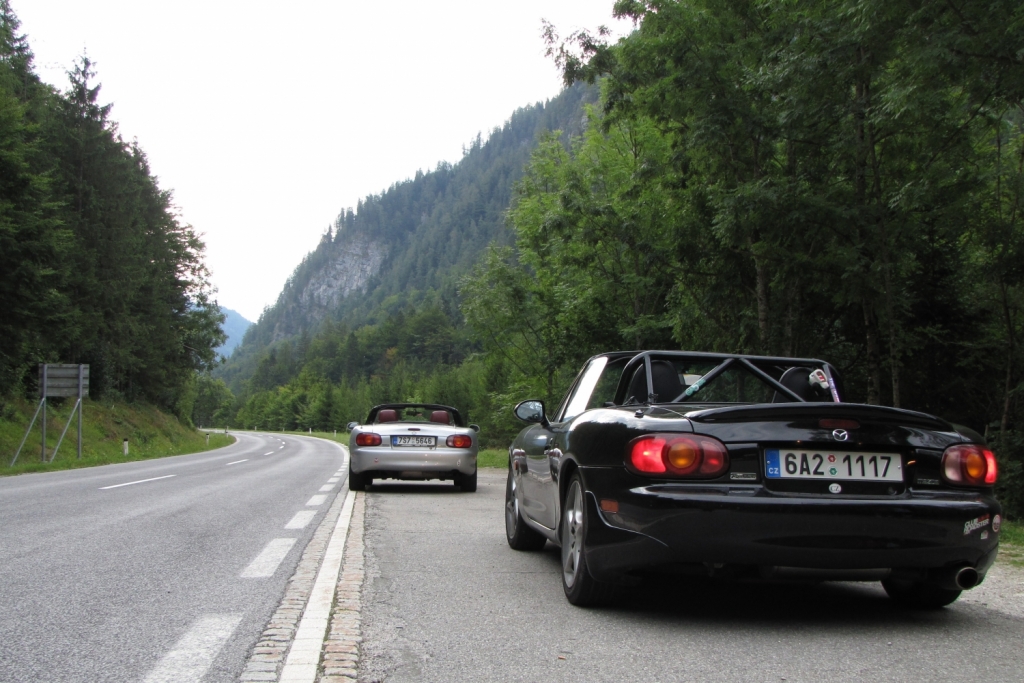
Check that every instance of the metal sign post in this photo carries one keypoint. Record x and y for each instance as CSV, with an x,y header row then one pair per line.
x,y
63,380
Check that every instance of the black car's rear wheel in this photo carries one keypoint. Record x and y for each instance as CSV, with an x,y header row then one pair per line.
x,y
580,587
518,535
356,481
918,594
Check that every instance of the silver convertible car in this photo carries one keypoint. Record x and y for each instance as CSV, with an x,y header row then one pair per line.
x,y
413,441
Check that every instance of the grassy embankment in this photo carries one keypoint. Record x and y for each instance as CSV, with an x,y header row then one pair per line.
x,y
1011,543
150,434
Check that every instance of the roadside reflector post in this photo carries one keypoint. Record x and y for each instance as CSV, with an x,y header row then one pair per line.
x,y
207,438
124,446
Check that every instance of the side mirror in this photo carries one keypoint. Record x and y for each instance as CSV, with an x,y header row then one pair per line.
x,y
351,426
531,411
474,427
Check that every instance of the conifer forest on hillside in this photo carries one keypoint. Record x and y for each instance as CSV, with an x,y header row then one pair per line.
x,y
839,180
95,266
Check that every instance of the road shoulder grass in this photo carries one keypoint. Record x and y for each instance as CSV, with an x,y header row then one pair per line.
x,y
150,433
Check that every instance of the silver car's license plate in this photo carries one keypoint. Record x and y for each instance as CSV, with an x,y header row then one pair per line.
x,y
801,464
415,441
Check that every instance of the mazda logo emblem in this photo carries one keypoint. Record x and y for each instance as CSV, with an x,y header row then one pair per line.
x,y
840,434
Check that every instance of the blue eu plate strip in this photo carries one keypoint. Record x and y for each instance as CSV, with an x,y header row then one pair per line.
x,y
772,468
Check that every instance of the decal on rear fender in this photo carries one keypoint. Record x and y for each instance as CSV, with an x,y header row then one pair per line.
x,y
975,524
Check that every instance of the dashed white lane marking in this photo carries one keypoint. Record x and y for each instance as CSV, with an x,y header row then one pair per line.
x,y
316,500
269,453
140,481
327,487
267,562
237,461
191,657
332,480
301,519
280,447
304,656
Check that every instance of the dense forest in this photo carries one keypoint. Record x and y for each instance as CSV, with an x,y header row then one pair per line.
x,y
841,180
95,266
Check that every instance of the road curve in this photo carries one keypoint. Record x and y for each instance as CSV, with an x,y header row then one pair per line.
x,y
156,570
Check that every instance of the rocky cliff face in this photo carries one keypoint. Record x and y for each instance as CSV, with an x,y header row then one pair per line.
x,y
346,267
355,262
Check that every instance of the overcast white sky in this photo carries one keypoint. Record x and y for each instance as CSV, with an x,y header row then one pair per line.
x,y
268,118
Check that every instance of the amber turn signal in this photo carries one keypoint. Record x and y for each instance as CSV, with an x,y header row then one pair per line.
x,y
969,465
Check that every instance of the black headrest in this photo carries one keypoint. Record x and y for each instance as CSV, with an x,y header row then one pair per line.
x,y
666,382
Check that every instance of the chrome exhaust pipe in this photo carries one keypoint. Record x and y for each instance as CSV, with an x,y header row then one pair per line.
x,y
959,579
967,578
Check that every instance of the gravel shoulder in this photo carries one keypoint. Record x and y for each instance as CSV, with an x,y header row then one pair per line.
x,y
445,598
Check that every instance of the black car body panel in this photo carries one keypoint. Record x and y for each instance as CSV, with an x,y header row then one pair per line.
x,y
916,526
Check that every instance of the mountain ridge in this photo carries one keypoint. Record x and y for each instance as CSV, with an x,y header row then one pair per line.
x,y
413,241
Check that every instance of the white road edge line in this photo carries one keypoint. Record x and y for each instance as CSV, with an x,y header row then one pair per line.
x,y
327,487
192,656
140,481
316,500
269,559
304,656
270,453
301,519
237,461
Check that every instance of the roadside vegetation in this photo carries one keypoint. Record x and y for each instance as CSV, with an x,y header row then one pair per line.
x,y
151,433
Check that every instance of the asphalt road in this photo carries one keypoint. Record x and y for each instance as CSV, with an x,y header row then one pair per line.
x,y
446,599
171,578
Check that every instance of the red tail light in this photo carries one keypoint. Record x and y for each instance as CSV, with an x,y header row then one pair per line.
x,y
459,441
678,455
970,465
368,439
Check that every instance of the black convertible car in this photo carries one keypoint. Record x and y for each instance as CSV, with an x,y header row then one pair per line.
x,y
747,466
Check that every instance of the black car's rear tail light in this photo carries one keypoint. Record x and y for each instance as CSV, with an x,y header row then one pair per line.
x,y
459,441
678,455
969,465
368,439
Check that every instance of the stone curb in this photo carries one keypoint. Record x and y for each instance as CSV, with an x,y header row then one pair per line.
x,y
339,659
267,657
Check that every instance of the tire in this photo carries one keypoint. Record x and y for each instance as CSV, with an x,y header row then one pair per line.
x,y
518,535
581,589
356,481
919,595
467,482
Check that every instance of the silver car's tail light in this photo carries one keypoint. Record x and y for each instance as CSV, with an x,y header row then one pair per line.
x,y
368,439
459,441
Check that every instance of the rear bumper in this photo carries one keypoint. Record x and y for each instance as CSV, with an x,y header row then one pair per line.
x,y
666,527
385,462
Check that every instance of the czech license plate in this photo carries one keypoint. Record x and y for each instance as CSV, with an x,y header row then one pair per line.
x,y
799,464
420,441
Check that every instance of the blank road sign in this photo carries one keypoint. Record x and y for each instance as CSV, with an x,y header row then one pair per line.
x,y
62,379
